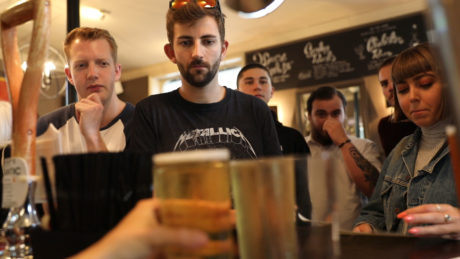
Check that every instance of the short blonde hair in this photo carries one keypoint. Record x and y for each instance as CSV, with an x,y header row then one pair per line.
x,y
87,33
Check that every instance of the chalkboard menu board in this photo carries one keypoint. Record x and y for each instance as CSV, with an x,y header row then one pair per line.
x,y
339,56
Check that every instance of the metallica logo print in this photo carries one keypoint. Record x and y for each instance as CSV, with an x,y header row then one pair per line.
x,y
231,138
168,123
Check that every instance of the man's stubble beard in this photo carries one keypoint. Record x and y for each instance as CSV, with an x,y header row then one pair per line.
x,y
208,77
320,137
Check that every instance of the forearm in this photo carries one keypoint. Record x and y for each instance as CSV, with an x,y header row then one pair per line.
x,y
95,143
362,172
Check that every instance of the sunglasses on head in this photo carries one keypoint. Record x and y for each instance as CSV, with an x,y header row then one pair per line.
x,y
208,4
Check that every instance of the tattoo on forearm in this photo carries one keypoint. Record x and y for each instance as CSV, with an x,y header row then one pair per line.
x,y
371,174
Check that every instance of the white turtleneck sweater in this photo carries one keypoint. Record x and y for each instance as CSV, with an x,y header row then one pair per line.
x,y
433,138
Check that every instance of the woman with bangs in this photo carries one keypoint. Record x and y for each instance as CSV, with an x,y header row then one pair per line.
x,y
415,192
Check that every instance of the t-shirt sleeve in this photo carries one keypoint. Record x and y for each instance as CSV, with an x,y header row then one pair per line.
x,y
271,145
141,135
371,152
42,125
58,118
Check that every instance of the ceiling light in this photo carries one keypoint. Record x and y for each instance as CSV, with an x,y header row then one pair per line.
x,y
270,8
49,66
92,13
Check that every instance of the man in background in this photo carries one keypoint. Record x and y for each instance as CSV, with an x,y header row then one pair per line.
x,y
390,131
356,162
99,120
254,79
201,114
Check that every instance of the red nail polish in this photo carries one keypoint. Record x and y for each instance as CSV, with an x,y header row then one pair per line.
x,y
408,218
401,215
413,231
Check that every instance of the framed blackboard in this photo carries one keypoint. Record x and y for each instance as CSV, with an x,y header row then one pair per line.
x,y
339,56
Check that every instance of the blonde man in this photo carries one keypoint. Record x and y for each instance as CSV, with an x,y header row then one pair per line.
x,y
99,120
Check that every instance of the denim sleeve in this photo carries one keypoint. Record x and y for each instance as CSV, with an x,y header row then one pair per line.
x,y
372,213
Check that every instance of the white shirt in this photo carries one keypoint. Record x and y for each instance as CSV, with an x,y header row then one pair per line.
x,y
73,142
348,197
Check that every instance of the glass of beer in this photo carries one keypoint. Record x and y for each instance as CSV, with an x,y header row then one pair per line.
x,y
263,193
193,189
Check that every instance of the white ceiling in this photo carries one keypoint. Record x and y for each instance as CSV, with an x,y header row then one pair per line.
x,y
139,25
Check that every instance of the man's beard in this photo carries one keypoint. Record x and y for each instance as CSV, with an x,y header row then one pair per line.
x,y
320,136
198,79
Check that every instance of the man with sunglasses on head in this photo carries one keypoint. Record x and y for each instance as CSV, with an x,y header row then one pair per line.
x,y
201,114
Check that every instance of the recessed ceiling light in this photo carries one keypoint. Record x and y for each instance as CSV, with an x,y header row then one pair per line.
x,y
92,13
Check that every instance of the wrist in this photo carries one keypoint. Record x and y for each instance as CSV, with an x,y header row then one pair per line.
x,y
344,143
94,143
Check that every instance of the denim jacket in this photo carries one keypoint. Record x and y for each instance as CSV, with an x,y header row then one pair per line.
x,y
397,190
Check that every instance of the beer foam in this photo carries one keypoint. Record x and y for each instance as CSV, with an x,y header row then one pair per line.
x,y
201,155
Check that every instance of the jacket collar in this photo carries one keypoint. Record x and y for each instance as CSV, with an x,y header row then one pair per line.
x,y
409,153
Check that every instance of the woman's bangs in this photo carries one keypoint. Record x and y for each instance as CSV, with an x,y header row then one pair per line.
x,y
406,66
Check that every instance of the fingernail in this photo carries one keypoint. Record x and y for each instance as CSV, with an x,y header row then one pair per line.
x,y
401,215
408,218
413,231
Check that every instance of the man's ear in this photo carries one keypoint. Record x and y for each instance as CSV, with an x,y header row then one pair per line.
x,y
69,75
117,72
308,115
169,51
224,49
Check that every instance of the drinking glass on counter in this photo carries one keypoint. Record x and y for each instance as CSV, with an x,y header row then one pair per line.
x,y
326,201
263,193
193,190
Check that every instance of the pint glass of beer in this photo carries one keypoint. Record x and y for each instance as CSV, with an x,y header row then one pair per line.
x,y
263,192
193,190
